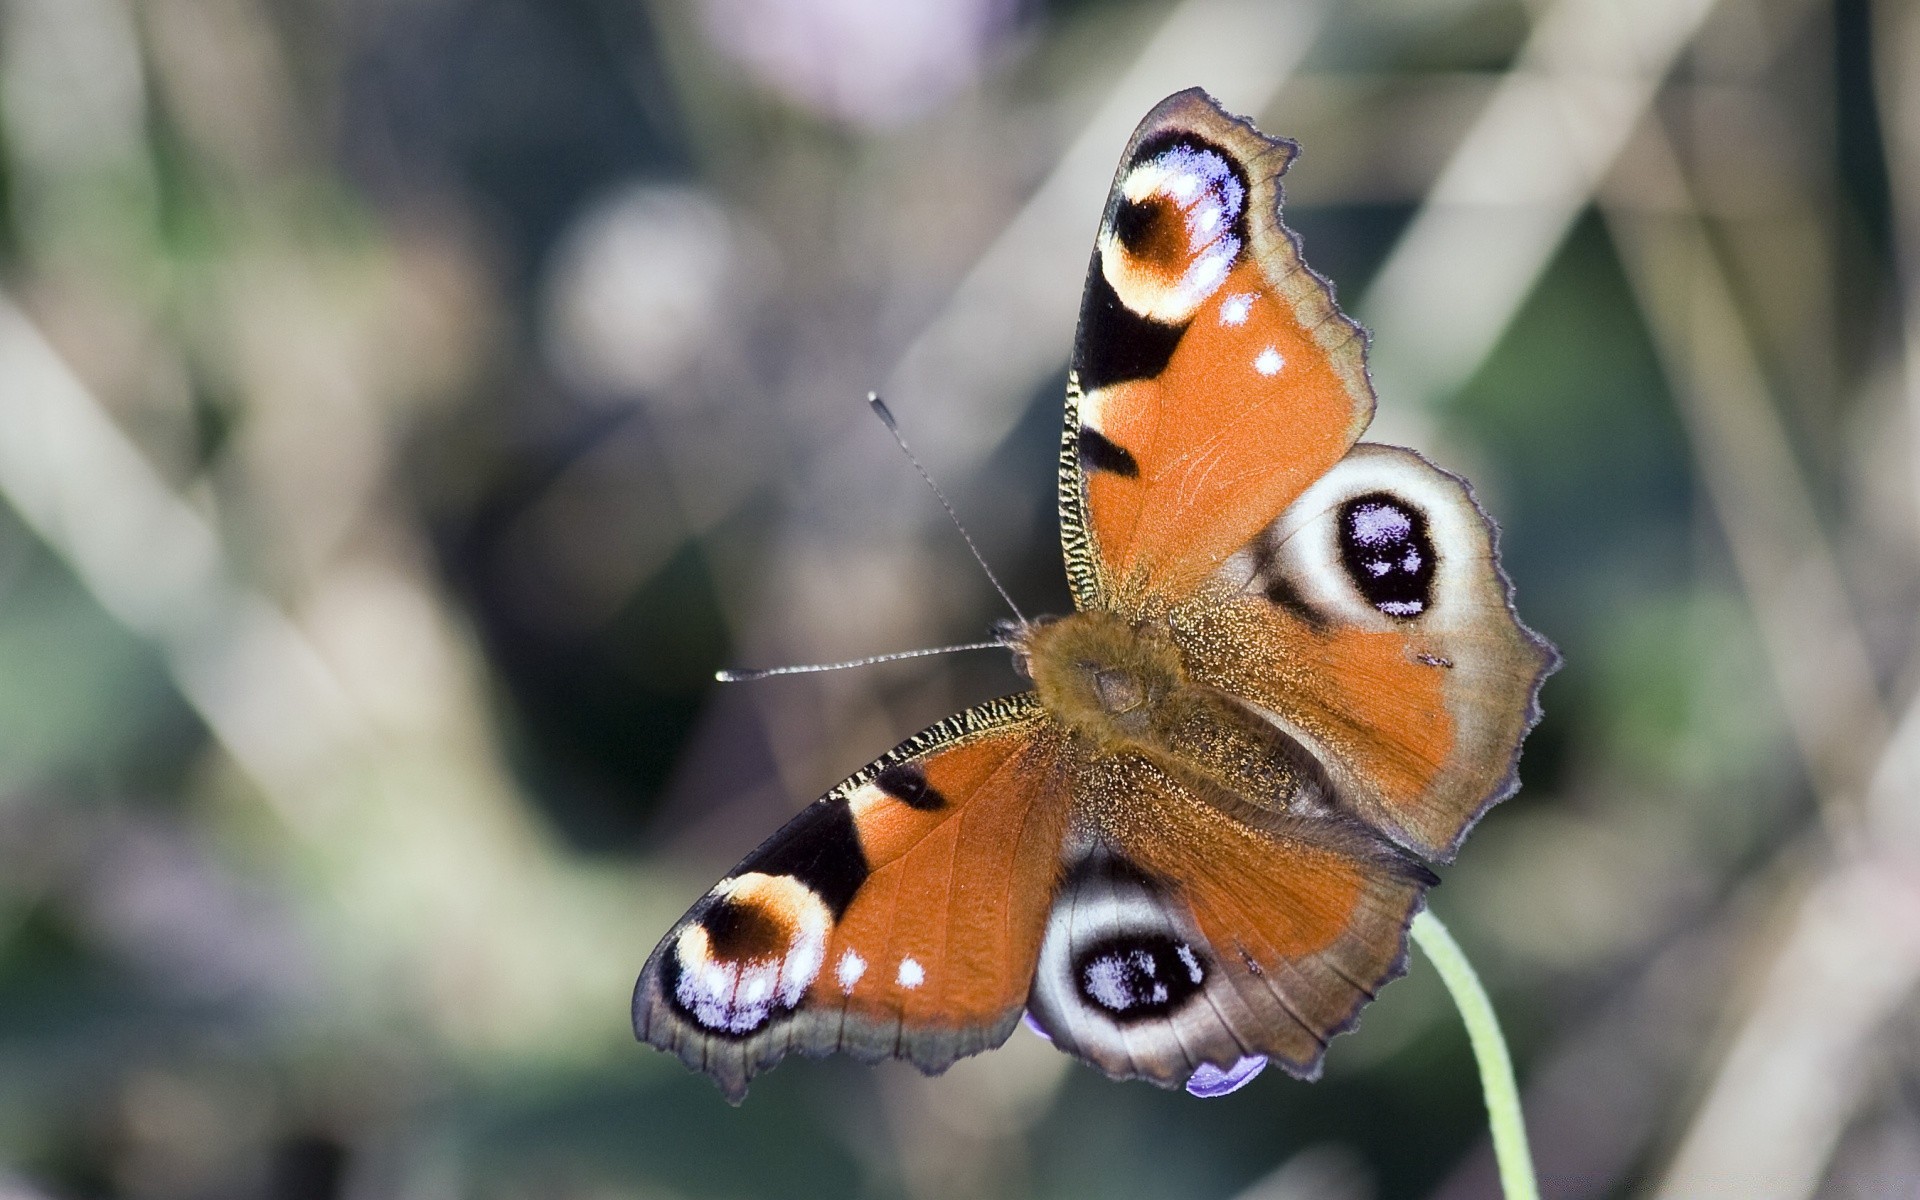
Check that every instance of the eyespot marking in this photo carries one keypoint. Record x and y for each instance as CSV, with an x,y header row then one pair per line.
x,y
1177,227
908,784
1388,553
751,954
1138,976
1152,232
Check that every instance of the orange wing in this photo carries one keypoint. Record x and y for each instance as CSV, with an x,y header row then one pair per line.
x,y
1372,623
1189,937
898,916
1213,376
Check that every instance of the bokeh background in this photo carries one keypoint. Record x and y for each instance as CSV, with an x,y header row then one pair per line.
x,y
406,405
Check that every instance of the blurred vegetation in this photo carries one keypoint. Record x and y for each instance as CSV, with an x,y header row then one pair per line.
x,y
406,405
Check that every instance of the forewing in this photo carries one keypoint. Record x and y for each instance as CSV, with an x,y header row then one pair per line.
x,y
1213,376
1186,936
1371,621
898,916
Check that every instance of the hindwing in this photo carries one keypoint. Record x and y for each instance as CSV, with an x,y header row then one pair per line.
x,y
1372,623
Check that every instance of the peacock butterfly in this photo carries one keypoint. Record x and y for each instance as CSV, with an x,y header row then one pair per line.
x,y
1293,678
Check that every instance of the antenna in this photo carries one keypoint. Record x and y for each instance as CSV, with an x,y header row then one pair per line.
x,y
880,410
886,416
766,672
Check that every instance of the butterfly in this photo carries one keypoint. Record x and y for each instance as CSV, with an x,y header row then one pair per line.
x,y
1293,678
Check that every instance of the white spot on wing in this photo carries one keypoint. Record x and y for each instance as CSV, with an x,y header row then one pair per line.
x,y
728,996
851,968
1235,309
1190,961
1208,272
865,799
911,975
1377,523
1269,362
1114,981
1093,413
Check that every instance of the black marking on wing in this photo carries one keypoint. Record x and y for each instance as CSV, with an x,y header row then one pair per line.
x,y
1280,590
1282,593
1388,553
1099,453
670,988
821,849
907,783
1115,343
1133,223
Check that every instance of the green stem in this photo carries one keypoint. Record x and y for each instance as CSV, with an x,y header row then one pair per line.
x,y
1490,1051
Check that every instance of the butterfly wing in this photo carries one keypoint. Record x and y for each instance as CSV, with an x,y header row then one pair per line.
x,y
1213,377
1188,935
1371,621
898,916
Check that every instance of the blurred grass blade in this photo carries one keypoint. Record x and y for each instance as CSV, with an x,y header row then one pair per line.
x,y
1507,197
1818,655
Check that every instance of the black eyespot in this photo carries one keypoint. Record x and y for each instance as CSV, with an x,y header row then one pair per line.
x,y
1388,554
1139,976
908,784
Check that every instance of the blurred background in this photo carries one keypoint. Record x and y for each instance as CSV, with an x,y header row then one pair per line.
x,y
406,405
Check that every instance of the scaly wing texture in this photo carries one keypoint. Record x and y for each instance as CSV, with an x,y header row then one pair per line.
x,y
898,916
1189,934
1372,622
1213,376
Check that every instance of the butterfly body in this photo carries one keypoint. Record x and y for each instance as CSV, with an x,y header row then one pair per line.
x,y
1293,674
1107,679
1121,687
